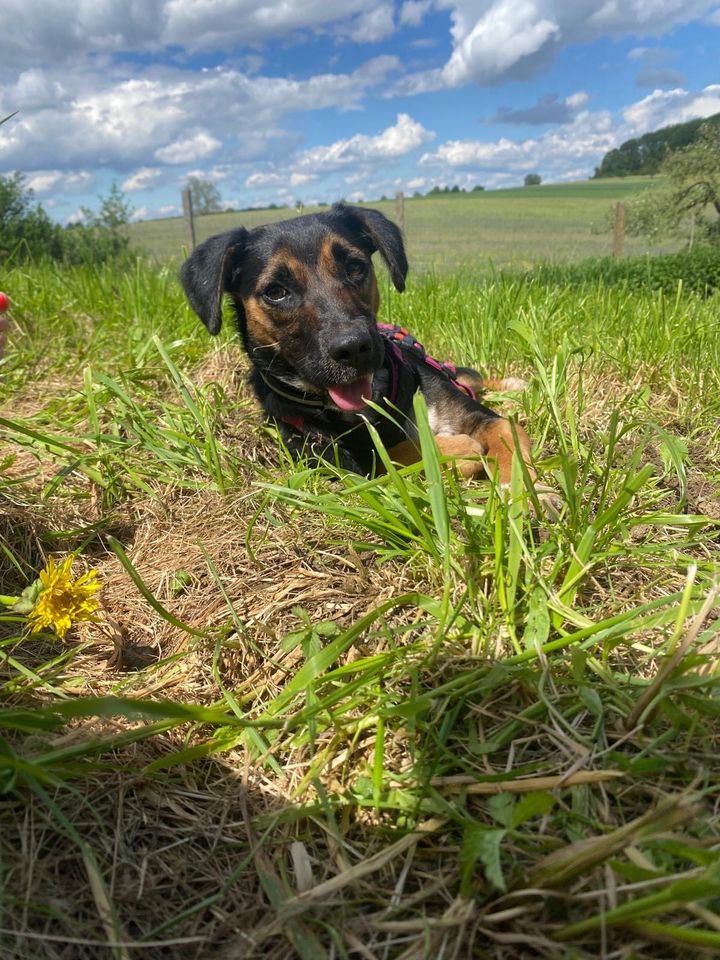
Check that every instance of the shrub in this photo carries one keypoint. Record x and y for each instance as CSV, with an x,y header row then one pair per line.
x,y
28,233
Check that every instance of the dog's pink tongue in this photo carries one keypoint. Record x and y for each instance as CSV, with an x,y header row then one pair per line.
x,y
349,396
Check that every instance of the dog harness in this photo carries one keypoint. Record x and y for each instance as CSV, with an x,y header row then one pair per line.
x,y
399,342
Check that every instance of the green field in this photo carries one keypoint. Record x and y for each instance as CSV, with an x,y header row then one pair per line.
x,y
325,717
493,229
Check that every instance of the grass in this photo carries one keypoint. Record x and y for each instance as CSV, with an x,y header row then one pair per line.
x,y
325,716
492,229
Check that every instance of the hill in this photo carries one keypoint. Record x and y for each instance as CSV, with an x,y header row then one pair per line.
x,y
488,229
643,156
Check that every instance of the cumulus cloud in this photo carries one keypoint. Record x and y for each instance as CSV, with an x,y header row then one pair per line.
x,y
497,40
373,25
189,149
584,141
35,31
72,182
402,138
358,155
547,109
412,12
664,107
569,151
140,121
141,179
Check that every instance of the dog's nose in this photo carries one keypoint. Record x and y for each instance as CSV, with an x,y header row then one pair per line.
x,y
354,347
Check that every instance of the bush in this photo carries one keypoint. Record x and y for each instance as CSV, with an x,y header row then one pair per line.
x,y
698,270
28,233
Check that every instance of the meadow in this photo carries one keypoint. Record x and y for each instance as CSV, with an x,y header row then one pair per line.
x,y
327,717
488,230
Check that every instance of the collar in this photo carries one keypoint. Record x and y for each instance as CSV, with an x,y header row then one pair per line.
x,y
394,360
287,392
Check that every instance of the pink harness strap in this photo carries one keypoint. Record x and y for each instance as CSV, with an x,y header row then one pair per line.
x,y
399,335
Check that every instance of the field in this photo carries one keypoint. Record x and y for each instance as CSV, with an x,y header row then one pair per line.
x,y
486,231
327,717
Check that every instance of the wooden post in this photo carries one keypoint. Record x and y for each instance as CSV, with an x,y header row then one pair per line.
x,y
189,219
619,230
400,209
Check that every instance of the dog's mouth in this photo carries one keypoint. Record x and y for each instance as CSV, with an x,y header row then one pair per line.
x,y
354,395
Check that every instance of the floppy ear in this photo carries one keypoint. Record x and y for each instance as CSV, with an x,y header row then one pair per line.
x,y
383,234
210,271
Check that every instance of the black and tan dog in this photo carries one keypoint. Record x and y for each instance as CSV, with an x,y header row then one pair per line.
x,y
306,299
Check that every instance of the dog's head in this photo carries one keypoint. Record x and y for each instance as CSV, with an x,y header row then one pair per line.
x,y
305,295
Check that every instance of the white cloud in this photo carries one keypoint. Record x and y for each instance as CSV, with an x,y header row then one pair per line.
x,y
412,12
508,32
405,136
190,149
139,121
584,141
44,180
664,107
35,31
264,180
300,179
373,25
572,150
512,39
141,179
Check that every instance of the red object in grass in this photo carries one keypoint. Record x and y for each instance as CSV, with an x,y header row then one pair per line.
x,y
4,302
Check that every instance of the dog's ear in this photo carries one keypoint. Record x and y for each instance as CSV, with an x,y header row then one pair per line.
x,y
383,235
210,271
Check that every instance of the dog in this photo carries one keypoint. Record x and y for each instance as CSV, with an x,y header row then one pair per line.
x,y
306,301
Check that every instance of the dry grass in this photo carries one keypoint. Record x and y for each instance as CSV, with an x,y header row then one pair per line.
x,y
384,753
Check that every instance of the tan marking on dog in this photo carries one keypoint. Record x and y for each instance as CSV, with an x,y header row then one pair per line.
x,y
492,443
327,261
283,260
260,326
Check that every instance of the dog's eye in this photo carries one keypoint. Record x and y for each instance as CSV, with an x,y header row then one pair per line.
x,y
356,270
275,293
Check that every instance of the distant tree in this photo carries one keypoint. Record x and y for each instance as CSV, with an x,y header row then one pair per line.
x,y
688,200
477,188
25,228
533,180
455,189
205,196
645,154
26,231
417,194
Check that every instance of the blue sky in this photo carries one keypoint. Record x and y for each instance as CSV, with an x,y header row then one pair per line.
x,y
304,100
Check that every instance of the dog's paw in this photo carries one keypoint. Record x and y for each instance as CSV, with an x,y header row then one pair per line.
x,y
549,500
504,384
512,383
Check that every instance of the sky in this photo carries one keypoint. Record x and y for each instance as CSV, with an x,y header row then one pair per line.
x,y
300,101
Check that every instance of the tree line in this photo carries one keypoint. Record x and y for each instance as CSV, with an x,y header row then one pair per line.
x,y
645,155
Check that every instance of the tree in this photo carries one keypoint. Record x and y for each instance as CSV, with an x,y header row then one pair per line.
x,y
687,202
533,180
25,228
205,196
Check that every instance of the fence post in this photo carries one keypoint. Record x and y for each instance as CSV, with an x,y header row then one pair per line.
x,y
189,219
400,209
619,230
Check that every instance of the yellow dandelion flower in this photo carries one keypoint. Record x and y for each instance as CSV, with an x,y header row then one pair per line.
x,y
63,601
